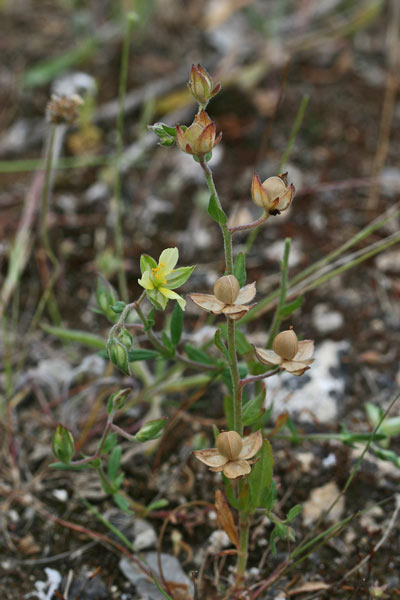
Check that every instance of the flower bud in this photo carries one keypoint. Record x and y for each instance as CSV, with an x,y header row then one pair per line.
x,y
150,430
201,85
63,444
125,338
226,289
286,344
105,295
229,444
165,133
200,138
118,355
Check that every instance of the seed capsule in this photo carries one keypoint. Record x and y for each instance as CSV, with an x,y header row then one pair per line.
x,y
286,344
229,444
226,289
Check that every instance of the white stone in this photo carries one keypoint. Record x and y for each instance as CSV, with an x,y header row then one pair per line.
x,y
326,320
319,501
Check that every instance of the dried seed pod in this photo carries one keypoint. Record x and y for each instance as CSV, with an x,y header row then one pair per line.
x,y
229,444
226,289
274,186
286,344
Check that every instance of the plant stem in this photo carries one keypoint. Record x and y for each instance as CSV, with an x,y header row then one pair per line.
x,y
118,235
224,227
251,225
48,296
276,321
236,389
244,526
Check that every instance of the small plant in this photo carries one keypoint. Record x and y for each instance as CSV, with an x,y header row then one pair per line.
x,y
242,453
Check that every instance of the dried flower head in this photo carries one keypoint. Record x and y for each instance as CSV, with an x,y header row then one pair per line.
x,y
63,110
201,85
273,195
232,454
200,138
228,298
290,354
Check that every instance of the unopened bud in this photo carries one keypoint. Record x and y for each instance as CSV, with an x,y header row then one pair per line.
x,y
125,338
229,444
286,344
201,85
105,295
63,444
118,355
226,289
150,430
165,133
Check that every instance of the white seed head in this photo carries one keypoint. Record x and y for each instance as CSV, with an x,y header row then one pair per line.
x,y
286,344
274,186
226,289
229,444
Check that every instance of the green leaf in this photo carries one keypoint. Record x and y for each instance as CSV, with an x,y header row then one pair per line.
x,y
215,211
64,467
220,344
290,307
229,491
109,443
176,325
121,502
271,496
179,277
239,269
157,504
198,355
294,512
147,263
74,335
141,354
260,477
242,345
150,320
118,307
168,344
114,462
254,409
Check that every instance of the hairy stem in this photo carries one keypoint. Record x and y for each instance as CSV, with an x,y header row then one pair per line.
x,y
244,527
226,234
236,388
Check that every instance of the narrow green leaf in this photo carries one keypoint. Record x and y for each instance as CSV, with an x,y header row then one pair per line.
x,y
254,409
109,444
150,320
141,354
260,477
157,504
294,512
239,269
121,502
198,355
176,324
290,307
220,344
114,462
215,212
74,335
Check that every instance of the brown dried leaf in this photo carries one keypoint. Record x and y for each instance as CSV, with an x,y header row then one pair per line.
x,y
225,518
309,586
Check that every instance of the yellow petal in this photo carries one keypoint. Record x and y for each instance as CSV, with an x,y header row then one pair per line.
x,y
211,457
171,295
145,281
168,259
236,468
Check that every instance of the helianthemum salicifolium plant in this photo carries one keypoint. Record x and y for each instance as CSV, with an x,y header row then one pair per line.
x,y
242,458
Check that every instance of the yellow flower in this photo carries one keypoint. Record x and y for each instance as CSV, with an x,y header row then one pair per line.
x,y
290,354
228,298
159,279
200,138
232,453
274,194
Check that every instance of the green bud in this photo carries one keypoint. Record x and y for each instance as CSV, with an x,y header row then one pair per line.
x,y
117,401
118,307
150,430
165,134
118,355
63,444
125,338
105,295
